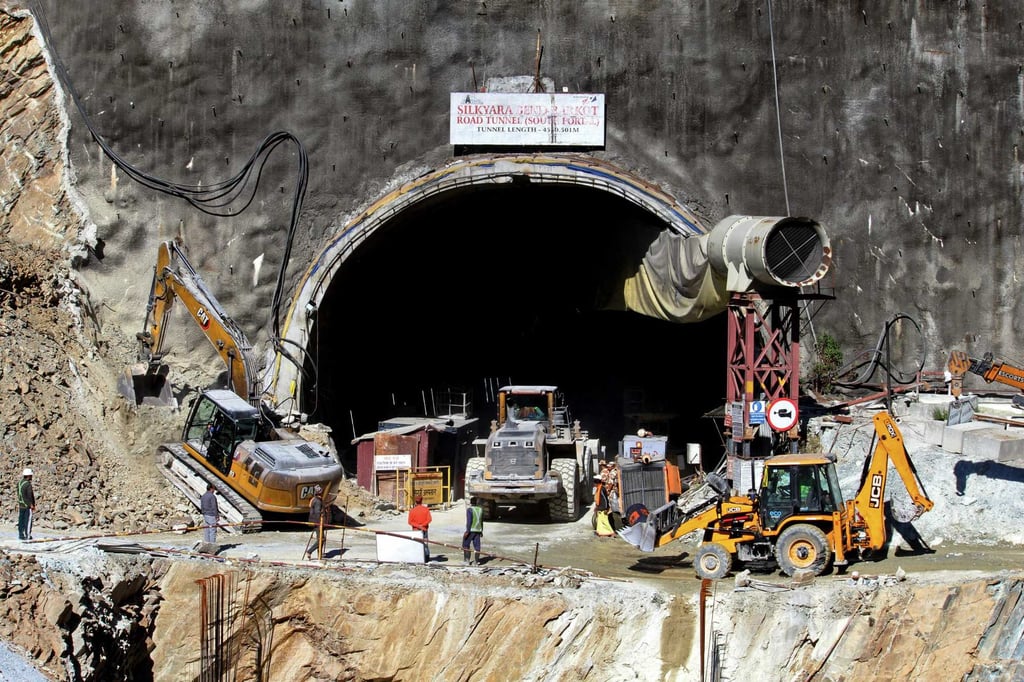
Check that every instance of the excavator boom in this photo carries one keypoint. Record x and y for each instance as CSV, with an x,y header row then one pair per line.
x,y
988,368
175,279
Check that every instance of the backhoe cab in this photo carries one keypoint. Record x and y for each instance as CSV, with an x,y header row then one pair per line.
x,y
797,519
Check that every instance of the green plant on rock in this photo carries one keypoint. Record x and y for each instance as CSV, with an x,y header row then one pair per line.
x,y
828,360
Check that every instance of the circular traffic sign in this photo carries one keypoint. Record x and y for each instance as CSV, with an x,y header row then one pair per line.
x,y
782,414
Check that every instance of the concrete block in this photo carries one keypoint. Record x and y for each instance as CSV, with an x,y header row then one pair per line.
x,y
995,445
924,408
934,431
953,436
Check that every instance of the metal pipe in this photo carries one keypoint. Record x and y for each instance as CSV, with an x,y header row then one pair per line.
x,y
759,251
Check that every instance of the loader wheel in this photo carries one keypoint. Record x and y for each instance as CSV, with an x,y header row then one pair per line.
x,y
803,548
490,507
712,562
566,507
475,464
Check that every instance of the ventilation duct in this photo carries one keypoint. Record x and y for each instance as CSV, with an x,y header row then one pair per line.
x,y
757,251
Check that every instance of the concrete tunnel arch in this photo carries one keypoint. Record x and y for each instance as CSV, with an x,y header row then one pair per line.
x,y
555,169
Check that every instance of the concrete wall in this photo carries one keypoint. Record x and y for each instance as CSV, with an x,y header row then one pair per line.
x,y
899,125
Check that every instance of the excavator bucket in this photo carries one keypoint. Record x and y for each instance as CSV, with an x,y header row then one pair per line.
x,y
145,385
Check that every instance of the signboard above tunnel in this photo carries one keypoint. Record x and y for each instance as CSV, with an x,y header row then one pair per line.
x,y
502,119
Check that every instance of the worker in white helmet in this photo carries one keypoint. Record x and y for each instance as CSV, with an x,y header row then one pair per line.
x,y
26,505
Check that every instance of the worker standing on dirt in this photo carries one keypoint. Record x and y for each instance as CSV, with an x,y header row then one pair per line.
x,y
26,505
474,531
211,514
419,519
317,511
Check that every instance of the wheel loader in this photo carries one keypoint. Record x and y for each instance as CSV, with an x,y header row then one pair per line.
x,y
797,519
535,455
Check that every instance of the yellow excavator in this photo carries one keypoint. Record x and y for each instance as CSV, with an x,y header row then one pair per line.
x,y
989,369
797,519
260,463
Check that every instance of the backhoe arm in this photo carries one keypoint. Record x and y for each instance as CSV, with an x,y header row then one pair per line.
x,y
870,499
175,278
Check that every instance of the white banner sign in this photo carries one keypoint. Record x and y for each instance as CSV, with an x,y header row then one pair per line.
x,y
392,462
527,119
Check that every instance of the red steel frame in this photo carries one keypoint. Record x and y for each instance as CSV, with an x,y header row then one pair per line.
x,y
763,355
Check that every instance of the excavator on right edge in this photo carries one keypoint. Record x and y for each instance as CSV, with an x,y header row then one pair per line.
x,y
797,519
989,369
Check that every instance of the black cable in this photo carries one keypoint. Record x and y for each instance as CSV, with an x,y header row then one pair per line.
x,y
870,361
221,199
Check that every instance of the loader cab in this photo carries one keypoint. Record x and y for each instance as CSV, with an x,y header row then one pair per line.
x,y
798,485
528,404
218,422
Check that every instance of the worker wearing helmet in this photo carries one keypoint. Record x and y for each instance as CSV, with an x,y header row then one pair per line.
x,y
419,519
26,505
474,531
317,514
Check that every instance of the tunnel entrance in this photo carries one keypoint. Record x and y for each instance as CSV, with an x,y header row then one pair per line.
x,y
509,283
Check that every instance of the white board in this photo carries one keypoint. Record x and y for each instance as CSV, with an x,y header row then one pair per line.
x,y
398,549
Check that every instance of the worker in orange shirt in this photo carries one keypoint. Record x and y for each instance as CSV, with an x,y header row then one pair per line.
x,y
419,519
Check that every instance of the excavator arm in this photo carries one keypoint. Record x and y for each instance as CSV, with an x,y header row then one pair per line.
x,y
175,278
870,499
988,368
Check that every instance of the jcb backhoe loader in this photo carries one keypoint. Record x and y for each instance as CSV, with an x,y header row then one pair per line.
x,y
259,463
797,518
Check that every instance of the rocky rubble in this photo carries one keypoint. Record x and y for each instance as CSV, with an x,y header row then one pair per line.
x,y
58,418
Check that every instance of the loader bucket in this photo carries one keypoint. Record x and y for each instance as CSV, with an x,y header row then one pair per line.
x,y
144,385
641,535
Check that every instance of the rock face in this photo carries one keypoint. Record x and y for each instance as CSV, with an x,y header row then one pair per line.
x,y
898,129
101,617
870,629
88,617
92,459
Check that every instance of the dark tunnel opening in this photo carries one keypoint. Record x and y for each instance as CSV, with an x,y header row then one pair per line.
x,y
510,283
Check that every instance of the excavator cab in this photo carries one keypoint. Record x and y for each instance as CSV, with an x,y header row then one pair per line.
x,y
793,488
215,426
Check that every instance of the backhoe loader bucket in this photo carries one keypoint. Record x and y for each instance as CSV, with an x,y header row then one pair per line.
x,y
144,385
641,535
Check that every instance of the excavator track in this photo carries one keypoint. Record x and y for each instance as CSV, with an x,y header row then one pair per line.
x,y
191,478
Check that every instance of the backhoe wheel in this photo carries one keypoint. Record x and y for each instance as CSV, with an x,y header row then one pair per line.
x,y
712,562
803,548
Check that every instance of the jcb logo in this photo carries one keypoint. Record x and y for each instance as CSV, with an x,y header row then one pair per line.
x,y
306,491
204,318
891,429
875,499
